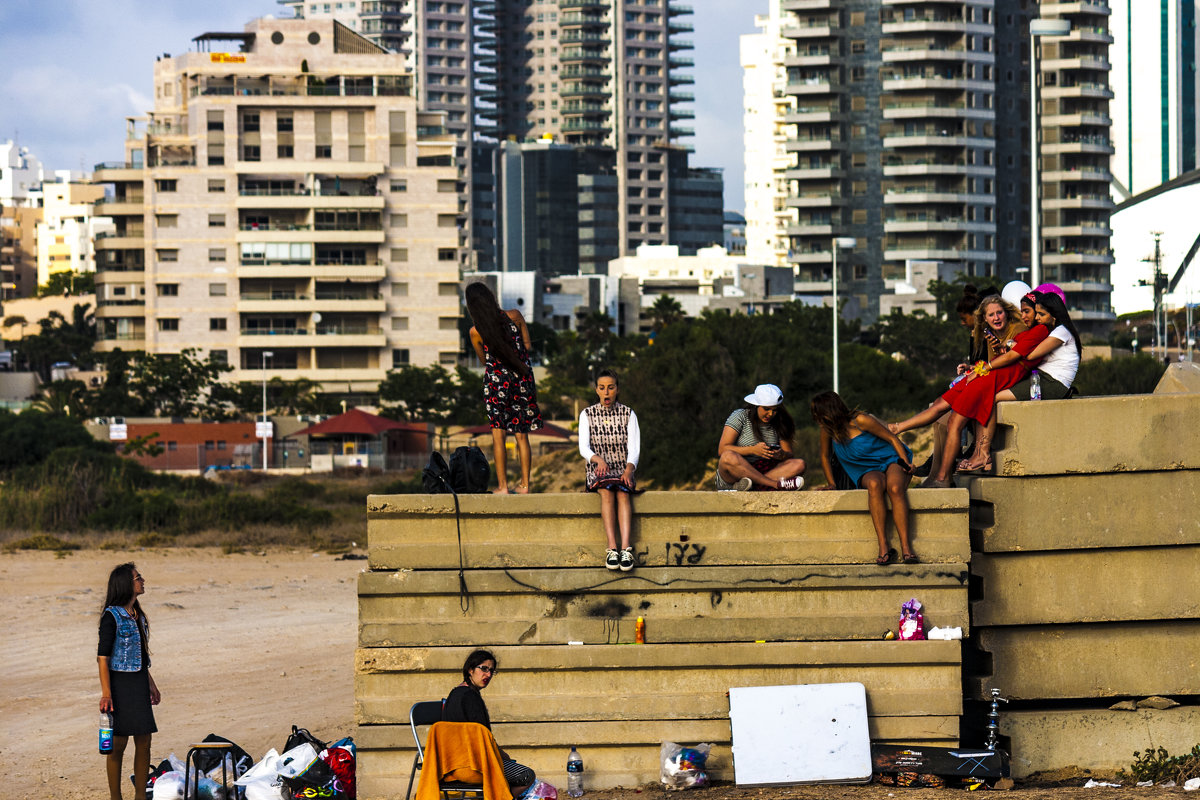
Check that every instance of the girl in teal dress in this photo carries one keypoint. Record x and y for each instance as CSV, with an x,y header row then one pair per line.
x,y
874,459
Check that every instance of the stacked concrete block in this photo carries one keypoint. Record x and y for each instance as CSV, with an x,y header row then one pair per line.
x,y
1086,549
736,590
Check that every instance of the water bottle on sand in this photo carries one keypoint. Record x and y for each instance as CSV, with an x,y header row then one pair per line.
x,y
574,773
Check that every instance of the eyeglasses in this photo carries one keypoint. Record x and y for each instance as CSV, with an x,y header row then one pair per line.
x,y
488,670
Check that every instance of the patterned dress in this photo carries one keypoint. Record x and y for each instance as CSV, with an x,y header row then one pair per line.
x,y
609,434
511,399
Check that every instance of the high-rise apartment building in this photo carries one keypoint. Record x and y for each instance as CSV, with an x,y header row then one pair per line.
x,y
1155,130
286,208
591,73
69,227
905,125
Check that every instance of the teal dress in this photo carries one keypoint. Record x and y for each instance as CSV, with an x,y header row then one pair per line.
x,y
866,453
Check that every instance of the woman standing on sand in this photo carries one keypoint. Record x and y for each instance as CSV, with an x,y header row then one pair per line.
x,y
127,690
501,341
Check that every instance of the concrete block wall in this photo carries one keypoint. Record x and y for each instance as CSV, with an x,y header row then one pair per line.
x,y
736,589
1086,547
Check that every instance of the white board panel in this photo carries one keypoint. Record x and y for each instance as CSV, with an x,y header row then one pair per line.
x,y
810,733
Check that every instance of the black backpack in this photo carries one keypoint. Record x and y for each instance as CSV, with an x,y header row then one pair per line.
x,y
469,471
435,478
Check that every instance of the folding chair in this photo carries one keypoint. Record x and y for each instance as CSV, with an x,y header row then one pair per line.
x,y
422,715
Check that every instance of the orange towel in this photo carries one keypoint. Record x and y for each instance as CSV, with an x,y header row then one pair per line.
x,y
462,751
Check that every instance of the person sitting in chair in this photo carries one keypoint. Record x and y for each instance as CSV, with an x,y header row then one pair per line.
x,y
465,704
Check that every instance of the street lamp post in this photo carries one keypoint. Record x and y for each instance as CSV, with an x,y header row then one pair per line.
x,y
265,355
1037,28
838,243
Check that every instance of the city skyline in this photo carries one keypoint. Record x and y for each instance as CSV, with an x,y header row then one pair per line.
x,y
107,76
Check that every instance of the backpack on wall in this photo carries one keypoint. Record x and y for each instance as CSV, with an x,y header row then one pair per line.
x,y
435,478
469,471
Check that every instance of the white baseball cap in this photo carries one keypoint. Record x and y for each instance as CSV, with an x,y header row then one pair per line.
x,y
765,394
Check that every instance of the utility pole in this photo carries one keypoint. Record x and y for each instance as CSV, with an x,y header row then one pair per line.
x,y
1159,282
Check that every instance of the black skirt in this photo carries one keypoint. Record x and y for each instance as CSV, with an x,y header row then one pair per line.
x,y
132,713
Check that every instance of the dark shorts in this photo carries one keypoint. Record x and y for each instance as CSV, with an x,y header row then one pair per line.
x,y
1051,389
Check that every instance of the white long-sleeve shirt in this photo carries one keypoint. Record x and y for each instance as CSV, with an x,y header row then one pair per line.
x,y
633,449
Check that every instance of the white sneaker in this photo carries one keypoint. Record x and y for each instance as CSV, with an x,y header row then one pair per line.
x,y
743,485
612,559
627,559
792,484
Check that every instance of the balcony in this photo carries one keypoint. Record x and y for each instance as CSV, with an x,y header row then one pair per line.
x,y
113,171
1067,257
115,241
1078,174
1087,89
115,208
1097,201
1078,229
810,229
824,200
1051,9
816,31
812,86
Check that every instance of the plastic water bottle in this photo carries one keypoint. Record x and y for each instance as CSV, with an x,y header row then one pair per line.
x,y
106,734
574,773
1035,386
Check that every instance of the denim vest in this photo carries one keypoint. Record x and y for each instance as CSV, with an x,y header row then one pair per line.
x,y
127,647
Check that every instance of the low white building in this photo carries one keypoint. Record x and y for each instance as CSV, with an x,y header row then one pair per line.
x,y
20,175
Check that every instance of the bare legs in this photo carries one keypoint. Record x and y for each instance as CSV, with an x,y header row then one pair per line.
x,y
950,448
926,417
500,456
141,766
733,466
895,485
616,511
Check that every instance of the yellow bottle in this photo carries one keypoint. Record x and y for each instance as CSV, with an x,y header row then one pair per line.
x,y
639,631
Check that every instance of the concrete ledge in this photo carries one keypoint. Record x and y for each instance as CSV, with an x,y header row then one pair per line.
x,y
1150,583
670,529
1082,511
1094,739
680,604
620,702
1125,433
1119,659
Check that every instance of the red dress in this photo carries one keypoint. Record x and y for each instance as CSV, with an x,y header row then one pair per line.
x,y
977,398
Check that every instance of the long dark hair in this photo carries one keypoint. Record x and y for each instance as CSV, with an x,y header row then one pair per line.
x,y
1058,309
969,300
493,326
121,591
782,423
475,659
830,411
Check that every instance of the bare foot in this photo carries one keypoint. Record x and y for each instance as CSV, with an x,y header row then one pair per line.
x,y
521,489
500,490
894,427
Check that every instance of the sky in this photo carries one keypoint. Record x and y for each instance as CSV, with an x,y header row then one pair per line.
x,y
72,70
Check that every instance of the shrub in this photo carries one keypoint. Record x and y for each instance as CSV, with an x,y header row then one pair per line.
x,y
43,541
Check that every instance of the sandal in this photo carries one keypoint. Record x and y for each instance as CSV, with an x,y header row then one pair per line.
x,y
966,467
887,558
911,558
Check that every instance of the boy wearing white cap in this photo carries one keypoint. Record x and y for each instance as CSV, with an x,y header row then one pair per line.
x,y
756,445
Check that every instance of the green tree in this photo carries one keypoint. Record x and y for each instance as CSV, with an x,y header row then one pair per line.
x,y
59,341
932,345
31,436
948,293
174,384
666,310
68,283
433,394
1137,374
66,397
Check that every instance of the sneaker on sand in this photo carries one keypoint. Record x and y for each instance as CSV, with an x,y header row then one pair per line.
x,y
612,559
743,485
627,561
792,484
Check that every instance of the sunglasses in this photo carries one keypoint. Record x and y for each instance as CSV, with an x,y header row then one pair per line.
x,y
488,670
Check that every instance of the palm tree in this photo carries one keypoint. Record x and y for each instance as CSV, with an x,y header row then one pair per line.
x,y
666,310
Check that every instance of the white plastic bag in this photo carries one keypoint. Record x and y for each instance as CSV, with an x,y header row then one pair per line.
x,y
261,781
295,762
169,786
683,767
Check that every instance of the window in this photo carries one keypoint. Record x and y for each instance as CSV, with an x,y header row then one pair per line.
x,y
283,122
324,151
166,255
172,447
447,220
251,152
398,220
447,254
216,220
216,185
400,289
162,185
250,121
216,254
399,357
168,289
218,356
399,323
168,324
858,46
285,151
217,290
448,290
399,254
216,323
449,185
166,220
220,444
399,186
448,359
447,323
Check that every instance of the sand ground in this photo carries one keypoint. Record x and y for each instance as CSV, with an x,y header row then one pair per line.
x,y
244,646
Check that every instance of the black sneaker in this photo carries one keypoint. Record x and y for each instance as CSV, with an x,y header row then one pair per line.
x,y
627,561
612,559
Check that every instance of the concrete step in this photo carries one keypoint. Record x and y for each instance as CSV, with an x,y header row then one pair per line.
x,y
1093,435
670,529
679,604
1094,661
1071,512
1082,586
1095,739
621,702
